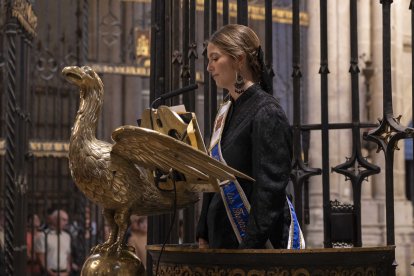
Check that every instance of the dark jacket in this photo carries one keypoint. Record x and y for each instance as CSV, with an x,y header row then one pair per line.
x,y
257,140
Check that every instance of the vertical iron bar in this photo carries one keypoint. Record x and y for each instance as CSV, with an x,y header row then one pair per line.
x,y
82,57
46,185
157,72
79,33
168,48
324,71
176,54
171,81
388,112
154,30
80,30
124,41
386,55
26,131
225,22
123,38
55,177
2,78
268,40
158,47
207,78
33,187
356,144
85,13
242,12
213,89
98,36
412,99
185,73
296,75
225,12
305,148
193,52
20,200
213,18
10,135
389,197
188,234
16,86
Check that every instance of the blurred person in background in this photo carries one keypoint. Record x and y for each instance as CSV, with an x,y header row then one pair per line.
x,y
83,237
32,232
53,247
2,261
138,237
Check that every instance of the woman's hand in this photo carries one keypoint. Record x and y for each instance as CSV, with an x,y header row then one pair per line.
x,y
202,243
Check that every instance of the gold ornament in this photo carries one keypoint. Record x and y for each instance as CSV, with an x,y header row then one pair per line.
x,y
125,178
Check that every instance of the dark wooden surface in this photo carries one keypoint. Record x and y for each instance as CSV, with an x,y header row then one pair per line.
x,y
189,260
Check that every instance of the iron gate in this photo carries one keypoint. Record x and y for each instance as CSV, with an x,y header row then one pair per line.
x,y
114,37
39,115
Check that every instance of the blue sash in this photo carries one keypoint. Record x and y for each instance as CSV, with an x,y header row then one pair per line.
x,y
234,199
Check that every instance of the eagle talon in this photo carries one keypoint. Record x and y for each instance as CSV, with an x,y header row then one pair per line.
x,y
116,249
100,248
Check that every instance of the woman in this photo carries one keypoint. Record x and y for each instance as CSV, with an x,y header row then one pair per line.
x,y
251,134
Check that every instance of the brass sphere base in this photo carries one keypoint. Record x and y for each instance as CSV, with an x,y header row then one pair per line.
x,y
126,263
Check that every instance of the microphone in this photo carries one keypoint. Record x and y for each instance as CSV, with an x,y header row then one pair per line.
x,y
173,93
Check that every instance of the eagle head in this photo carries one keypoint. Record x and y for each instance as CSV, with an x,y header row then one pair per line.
x,y
83,77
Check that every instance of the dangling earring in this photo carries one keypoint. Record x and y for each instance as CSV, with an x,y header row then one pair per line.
x,y
239,84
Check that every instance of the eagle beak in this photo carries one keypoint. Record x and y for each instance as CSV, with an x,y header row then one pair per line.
x,y
73,74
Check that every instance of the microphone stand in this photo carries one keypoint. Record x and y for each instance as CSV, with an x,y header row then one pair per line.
x,y
161,99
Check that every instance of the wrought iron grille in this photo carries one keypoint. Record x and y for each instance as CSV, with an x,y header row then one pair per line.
x,y
121,40
356,168
199,19
119,51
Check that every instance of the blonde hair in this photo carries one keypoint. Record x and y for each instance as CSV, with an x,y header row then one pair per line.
x,y
235,40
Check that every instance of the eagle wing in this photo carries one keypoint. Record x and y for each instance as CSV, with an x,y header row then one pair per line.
x,y
151,149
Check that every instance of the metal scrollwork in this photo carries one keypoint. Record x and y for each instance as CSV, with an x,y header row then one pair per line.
x,y
110,29
177,58
47,65
22,10
21,183
2,146
388,133
192,50
70,58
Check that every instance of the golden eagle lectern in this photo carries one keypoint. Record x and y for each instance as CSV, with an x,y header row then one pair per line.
x,y
120,177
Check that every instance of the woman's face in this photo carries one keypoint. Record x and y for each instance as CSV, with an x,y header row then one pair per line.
x,y
222,67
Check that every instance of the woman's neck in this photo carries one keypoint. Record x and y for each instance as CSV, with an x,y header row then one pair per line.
x,y
246,86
